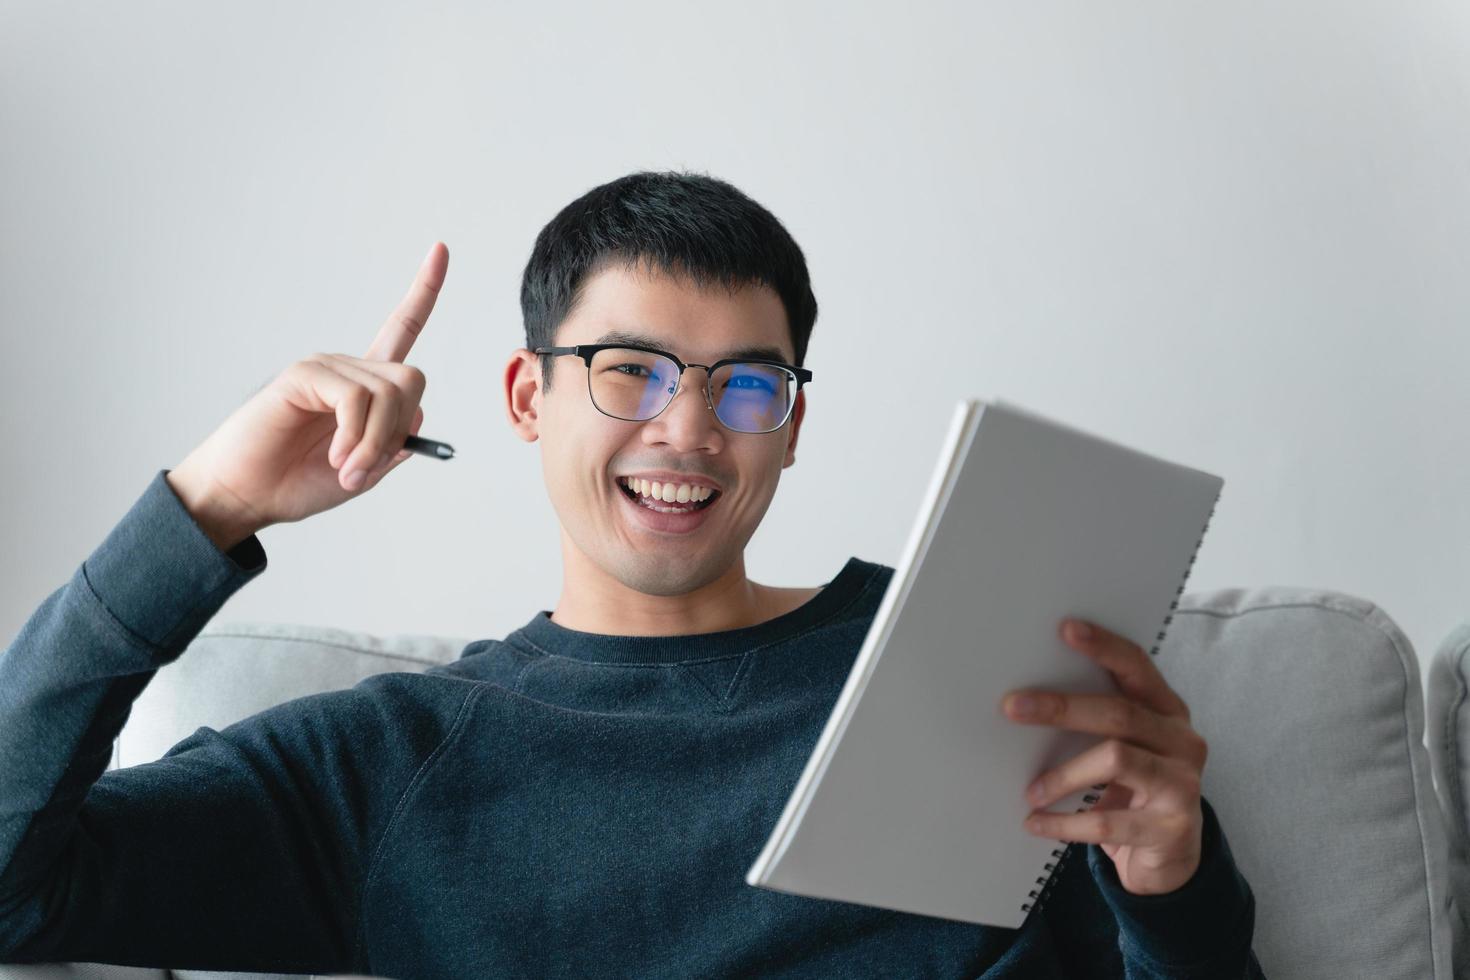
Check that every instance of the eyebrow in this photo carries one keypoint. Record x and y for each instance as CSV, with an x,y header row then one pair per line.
x,y
643,340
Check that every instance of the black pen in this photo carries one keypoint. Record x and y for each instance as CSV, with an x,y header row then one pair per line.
x,y
428,447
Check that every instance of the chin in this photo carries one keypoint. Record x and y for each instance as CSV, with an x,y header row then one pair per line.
x,y
653,574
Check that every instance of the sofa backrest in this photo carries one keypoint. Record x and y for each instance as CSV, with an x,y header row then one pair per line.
x,y
234,670
1309,700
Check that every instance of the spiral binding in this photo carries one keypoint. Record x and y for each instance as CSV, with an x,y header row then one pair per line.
x,y
1159,640
1043,885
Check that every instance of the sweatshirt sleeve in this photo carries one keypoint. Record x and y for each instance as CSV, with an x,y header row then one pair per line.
x,y
240,849
1200,931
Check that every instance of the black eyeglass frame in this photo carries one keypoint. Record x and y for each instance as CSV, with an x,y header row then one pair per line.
x,y
587,351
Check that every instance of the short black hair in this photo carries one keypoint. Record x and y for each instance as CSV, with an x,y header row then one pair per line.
x,y
683,224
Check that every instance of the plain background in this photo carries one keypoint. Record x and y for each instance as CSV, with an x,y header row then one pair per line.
x,y
1236,235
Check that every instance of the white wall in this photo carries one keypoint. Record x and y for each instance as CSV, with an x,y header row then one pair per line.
x,y
1234,234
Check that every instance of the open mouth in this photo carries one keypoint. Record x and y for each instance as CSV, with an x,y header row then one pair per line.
x,y
655,496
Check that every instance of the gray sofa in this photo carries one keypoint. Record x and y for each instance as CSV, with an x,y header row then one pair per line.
x,y
1310,701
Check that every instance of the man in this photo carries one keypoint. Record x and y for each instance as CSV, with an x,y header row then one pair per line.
x,y
582,798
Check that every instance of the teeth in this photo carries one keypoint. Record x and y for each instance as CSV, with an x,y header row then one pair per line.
x,y
667,492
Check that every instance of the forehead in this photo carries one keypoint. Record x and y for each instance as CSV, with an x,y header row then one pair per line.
x,y
627,305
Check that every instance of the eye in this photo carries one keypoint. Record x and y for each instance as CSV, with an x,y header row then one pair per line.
x,y
755,383
632,371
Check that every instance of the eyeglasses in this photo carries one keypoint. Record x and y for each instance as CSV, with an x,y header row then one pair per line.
x,y
637,383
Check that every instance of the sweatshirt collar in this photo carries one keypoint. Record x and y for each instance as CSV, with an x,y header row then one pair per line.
x,y
546,636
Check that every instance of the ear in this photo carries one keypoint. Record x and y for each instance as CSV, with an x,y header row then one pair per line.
x,y
797,412
523,393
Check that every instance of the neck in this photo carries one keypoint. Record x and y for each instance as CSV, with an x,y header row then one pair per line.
x,y
593,601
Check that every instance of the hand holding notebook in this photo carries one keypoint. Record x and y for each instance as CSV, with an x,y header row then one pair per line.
x,y
1148,819
914,796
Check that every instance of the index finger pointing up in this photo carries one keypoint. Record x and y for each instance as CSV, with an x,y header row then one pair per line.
x,y
400,330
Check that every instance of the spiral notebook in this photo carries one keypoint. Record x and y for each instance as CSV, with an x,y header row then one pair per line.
x,y
913,798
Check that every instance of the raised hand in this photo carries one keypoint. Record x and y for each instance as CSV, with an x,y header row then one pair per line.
x,y
327,428
1149,820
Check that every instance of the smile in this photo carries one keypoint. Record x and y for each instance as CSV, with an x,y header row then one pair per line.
x,y
667,498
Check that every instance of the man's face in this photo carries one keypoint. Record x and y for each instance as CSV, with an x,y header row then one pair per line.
x,y
585,454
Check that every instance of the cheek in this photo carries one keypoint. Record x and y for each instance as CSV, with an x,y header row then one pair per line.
x,y
560,453
577,466
760,476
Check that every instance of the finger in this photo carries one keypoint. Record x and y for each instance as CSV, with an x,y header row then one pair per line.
x,y
322,388
1150,777
375,476
384,412
397,334
1133,827
407,411
351,414
1103,714
404,376
408,380
413,430
1134,670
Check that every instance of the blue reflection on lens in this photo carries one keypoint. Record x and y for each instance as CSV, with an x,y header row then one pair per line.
x,y
752,397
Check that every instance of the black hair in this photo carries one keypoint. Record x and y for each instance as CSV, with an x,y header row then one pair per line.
x,y
683,224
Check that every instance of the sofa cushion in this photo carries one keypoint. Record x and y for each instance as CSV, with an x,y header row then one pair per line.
x,y
1310,702
79,971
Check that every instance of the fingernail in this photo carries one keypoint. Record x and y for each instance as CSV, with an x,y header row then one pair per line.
x,y
1023,706
354,479
1034,791
1080,630
382,461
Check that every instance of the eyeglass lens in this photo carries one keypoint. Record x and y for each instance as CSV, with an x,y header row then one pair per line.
x,y
636,385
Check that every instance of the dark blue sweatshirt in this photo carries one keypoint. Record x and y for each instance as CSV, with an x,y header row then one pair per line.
x,y
558,803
